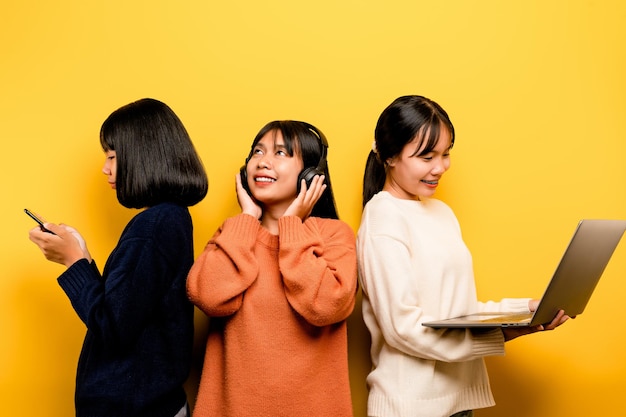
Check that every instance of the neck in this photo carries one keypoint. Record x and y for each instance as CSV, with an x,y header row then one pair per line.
x,y
269,218
399,193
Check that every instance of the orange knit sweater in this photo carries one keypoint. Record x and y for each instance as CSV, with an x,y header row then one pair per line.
x,y
277,343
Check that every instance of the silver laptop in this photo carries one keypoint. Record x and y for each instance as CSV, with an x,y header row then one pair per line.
x,y
571,286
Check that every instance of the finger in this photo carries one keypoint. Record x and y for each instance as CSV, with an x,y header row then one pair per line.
x,y
312,196
319,180
310,190
303,189
319,183
557,321
317,196
317,186
54,228
36,234
35,230
40,235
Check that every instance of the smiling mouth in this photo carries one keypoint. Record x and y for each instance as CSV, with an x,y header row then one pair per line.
x,y
264,179
430,182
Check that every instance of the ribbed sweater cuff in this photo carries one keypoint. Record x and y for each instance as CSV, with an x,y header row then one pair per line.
x,y
242,227
489,343
291,229
74,278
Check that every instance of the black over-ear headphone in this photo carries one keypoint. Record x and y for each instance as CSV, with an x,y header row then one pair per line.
x,y
306,174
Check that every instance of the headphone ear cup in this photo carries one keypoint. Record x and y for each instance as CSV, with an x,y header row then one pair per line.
x,y
243,174
307,175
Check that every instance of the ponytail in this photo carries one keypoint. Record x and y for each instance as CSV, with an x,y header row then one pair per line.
x,y
374,177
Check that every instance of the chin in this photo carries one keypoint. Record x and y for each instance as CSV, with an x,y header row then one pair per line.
x,y
426,194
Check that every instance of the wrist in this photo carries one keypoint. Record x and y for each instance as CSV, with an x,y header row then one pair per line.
x,y
251,214
71,260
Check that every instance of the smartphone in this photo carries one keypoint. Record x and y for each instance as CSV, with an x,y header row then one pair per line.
x,y
38,220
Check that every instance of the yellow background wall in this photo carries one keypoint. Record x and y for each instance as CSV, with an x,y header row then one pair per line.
x,y
536,90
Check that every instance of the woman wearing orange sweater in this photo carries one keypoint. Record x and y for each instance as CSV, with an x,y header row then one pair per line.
x,y
278,282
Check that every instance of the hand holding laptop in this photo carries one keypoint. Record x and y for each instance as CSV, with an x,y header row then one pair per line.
x,y
570,288
511,333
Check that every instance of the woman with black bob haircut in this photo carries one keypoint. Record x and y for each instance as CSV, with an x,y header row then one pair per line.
x,y
136,355
156,161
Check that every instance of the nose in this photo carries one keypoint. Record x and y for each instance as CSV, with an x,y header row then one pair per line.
x,y
264,162
106,168
440,166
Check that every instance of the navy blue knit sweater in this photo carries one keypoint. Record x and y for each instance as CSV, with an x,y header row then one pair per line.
x,y
137,350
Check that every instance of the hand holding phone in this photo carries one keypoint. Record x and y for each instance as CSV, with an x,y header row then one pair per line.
x,y
38,220
65,249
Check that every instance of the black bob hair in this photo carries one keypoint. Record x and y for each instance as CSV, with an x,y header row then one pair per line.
x,y
156,160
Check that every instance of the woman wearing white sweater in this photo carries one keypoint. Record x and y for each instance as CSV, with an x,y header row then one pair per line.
x,y
414,267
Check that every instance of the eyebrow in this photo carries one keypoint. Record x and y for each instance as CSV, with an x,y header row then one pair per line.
x,y
275,144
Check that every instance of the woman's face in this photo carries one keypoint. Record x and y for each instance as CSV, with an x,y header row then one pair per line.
x,y
272,172
110,167
411,175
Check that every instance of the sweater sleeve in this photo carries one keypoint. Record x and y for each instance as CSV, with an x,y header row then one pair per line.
x,y
117,304
506,305
226,268
317,260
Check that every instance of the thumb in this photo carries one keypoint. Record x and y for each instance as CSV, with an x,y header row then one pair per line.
x,y
53,228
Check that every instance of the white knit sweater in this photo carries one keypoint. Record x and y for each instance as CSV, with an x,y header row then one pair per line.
x,y
414,267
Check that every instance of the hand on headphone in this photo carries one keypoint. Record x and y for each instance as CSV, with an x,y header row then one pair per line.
x,y
246,202
303,205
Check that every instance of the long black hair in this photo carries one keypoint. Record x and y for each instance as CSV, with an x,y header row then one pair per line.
x,y
407,118
156,160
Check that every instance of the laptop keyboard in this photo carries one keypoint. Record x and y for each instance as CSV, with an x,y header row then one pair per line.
x,y
510,318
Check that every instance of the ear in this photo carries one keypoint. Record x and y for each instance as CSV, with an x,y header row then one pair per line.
x,y
391,162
